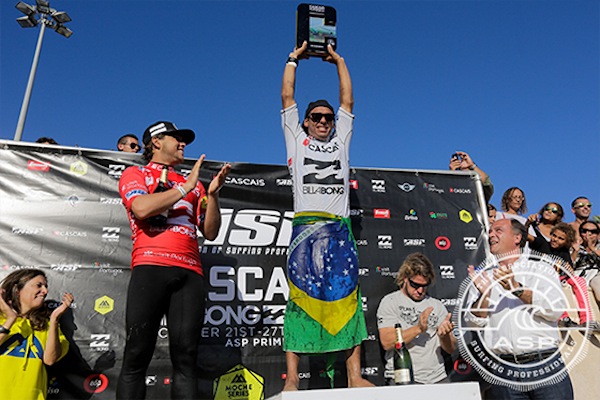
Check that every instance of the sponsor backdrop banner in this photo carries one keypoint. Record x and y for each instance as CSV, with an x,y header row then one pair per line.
x,y
60,211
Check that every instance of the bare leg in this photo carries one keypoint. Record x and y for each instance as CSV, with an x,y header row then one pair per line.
x,y
355,378
292,380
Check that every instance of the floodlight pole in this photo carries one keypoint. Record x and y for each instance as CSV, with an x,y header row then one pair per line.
x,y
25,105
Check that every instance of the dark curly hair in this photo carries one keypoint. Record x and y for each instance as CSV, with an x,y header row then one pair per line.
x,y
13,284
560,214
415,264
506,199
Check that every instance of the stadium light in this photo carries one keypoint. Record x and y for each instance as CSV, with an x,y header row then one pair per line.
x,y
43,16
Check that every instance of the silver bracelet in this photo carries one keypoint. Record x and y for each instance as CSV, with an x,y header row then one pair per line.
x,y
182,191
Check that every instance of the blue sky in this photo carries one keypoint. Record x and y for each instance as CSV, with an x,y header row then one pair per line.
x,y
513,83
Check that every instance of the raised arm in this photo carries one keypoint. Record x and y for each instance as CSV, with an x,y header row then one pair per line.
x,y
288,85
346,96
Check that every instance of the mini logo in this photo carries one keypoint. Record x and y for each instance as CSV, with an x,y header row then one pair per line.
x,y
430,187
447,271
470,243
378,185
414,242
438,215
381,213
484,341
442,243
465,216
34,165
151,380
459,190
79,168
73,200
115,170
406,187
353,184
104,305
384,241
411,215
110,234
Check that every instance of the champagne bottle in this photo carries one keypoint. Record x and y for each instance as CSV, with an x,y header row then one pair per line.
x,y
403,369
161,219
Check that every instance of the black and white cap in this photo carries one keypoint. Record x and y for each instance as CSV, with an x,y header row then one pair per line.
x,y
168,128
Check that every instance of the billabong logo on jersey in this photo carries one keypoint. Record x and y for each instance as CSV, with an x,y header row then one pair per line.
x,y
322,172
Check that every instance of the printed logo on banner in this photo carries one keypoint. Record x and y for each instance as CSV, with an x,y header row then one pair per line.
x,y
442,243
73,200
369,371
470,243
465,216
113,201
381,213
460,190
65,267
273,315
438,215
430,187
26,231
68,234
447,271
356,212
384,242
99,342
411,215
283,182
79,168
115,170
406,187
414,242
353,184
363,272
378,185
110,233
362,242
167,380
185,172
151,380
34,165
103,305
365,304
386,271
244,181
95,383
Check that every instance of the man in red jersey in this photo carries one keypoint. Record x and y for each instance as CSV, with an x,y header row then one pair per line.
x,y
167,276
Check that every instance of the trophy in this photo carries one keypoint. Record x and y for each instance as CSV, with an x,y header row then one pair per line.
x,y
315,24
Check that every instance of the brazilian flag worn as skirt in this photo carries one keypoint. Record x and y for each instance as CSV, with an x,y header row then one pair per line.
x,y
324,311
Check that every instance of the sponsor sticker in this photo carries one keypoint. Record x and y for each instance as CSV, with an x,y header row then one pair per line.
x,y
382,213
442,243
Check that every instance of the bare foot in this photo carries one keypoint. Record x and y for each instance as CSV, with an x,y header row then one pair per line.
x,y
291,384
359,382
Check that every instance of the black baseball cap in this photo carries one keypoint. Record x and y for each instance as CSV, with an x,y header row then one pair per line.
x,y
315,104
168,128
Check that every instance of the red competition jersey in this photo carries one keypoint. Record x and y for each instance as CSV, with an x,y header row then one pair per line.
x,y
175,244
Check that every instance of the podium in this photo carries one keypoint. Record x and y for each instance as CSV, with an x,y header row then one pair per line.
x,y
459,390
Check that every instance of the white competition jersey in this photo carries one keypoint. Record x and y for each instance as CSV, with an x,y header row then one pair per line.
x,y
320,170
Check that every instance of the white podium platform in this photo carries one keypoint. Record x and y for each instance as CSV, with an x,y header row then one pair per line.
x,y
459,390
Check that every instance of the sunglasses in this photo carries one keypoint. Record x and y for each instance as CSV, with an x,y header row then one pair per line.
x,y
134,146
553,209
416,285
592,231
581,205
316,117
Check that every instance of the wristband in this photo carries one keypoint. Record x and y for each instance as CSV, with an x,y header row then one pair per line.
x,y
4,330
292,61
519,292
182,191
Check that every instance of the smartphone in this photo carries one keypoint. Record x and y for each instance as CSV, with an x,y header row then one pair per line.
x,y
455,156
316,24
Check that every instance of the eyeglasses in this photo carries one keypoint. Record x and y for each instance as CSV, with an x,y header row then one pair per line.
x,y
316,117
592,231
553,209
134,146
581,205
416,285
517,197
